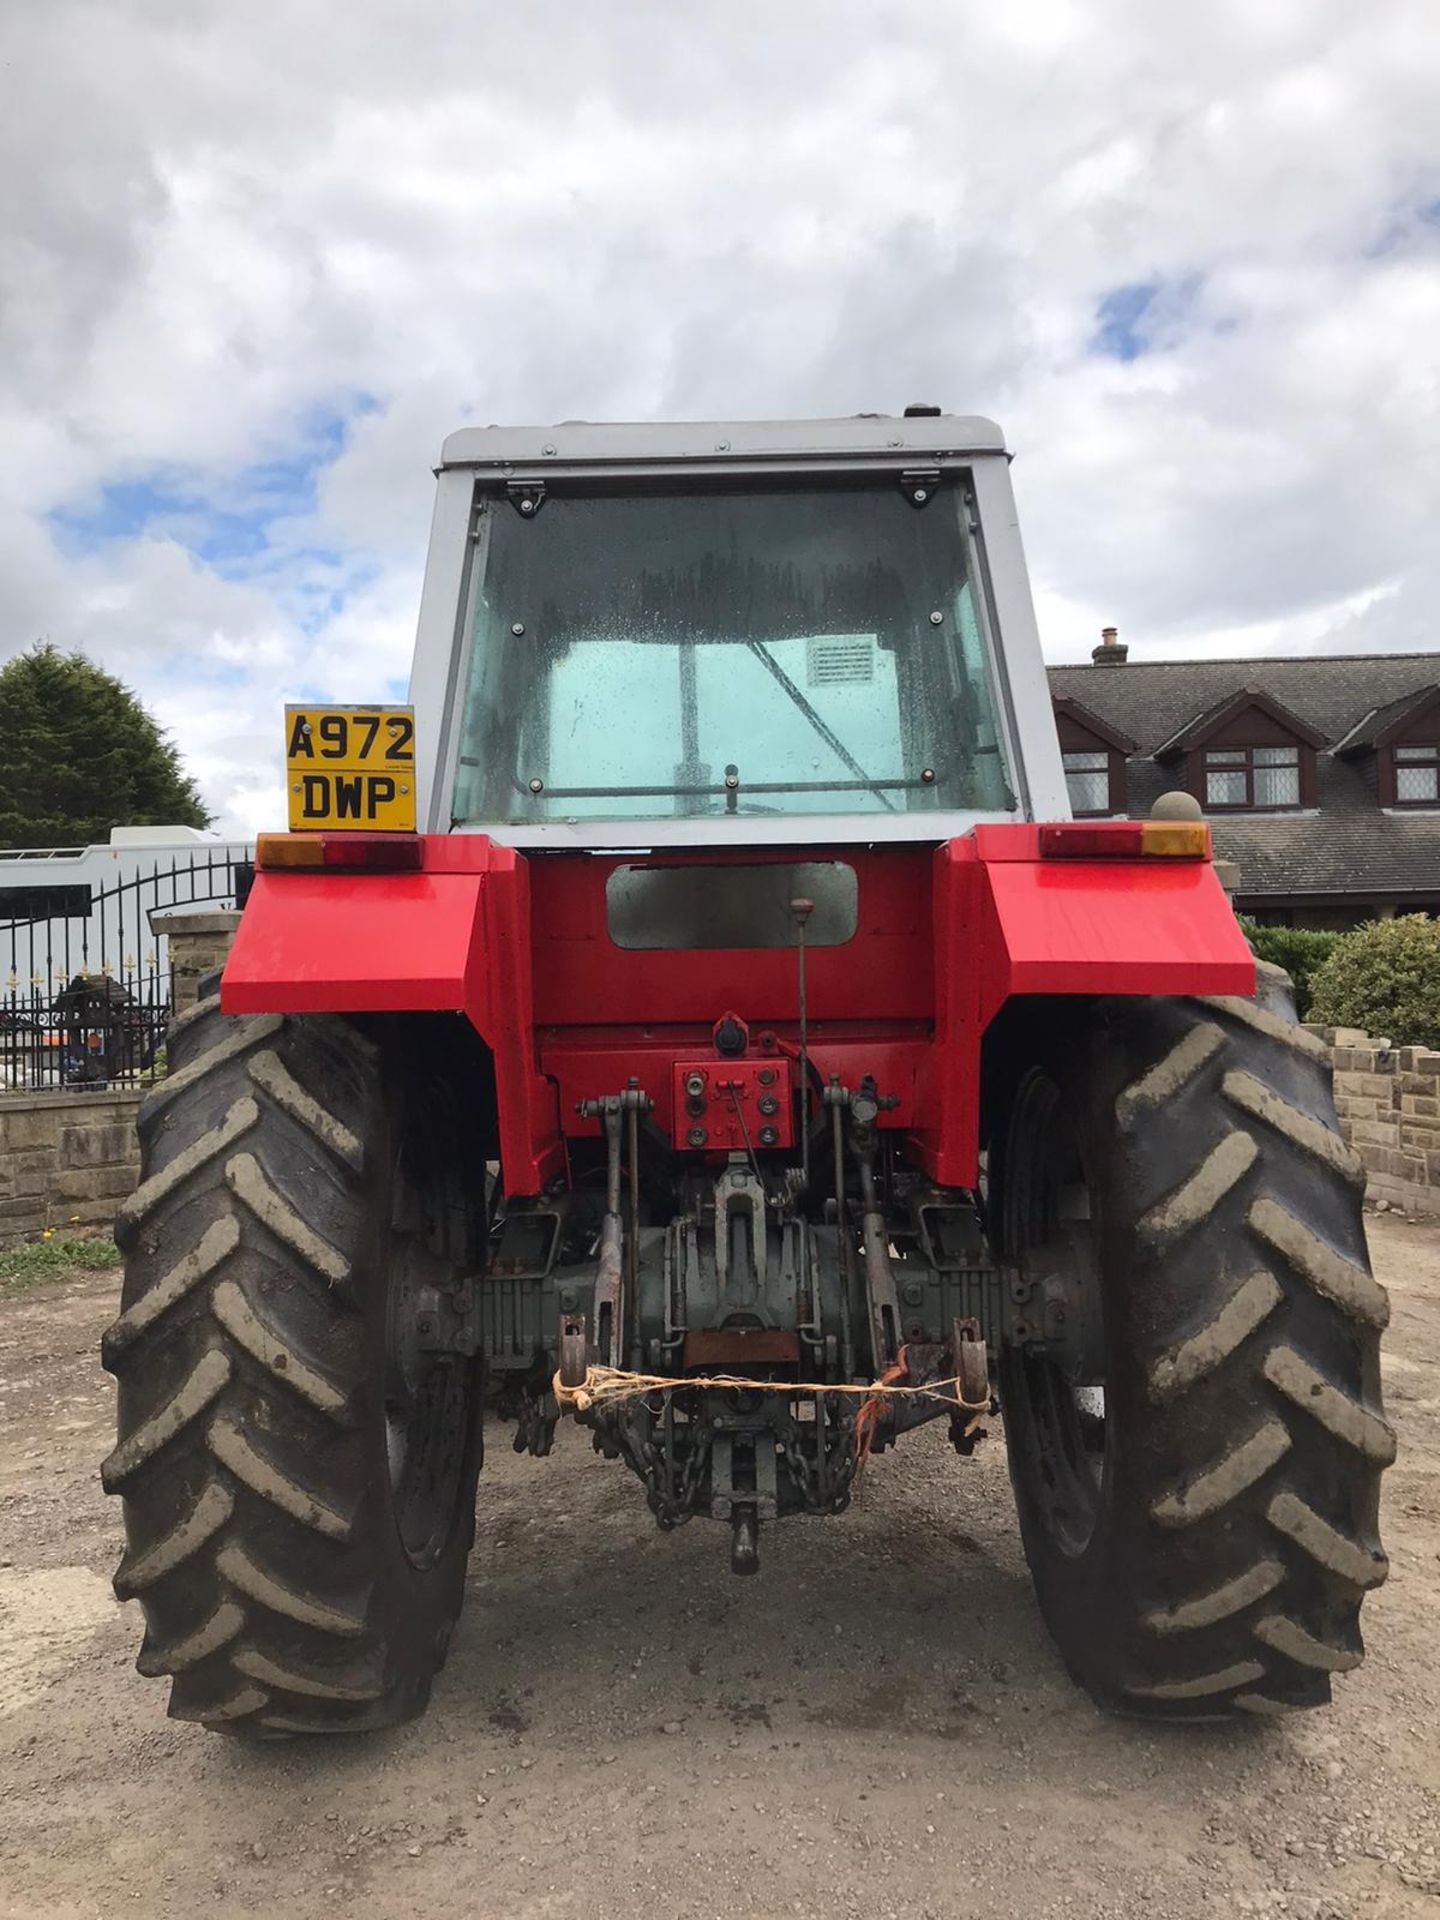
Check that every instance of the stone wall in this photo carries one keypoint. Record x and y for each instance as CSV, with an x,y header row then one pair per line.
x,y
1388,1099
66,1160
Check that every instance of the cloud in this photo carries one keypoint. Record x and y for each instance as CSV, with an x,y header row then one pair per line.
x,y
254,266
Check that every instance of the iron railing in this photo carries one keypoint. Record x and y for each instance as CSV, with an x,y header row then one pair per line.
x,y
85,993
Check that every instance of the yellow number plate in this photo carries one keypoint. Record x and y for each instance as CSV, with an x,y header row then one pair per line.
x,y
350,767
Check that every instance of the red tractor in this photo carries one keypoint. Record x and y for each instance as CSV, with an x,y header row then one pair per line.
x,y
749,1056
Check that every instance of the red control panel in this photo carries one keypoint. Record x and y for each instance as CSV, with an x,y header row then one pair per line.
x,y
733,1105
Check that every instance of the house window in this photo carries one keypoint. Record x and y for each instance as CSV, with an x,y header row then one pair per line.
x,y
1087,778
1252,779
1417,776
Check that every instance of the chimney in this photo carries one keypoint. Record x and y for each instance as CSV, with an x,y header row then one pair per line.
x,y
1109,653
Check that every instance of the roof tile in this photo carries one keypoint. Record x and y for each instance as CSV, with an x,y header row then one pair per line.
x,y
1347,845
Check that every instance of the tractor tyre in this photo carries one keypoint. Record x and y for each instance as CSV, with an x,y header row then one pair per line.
x,y
298,1450
1197,1470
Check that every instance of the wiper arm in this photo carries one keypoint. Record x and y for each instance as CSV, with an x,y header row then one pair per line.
x,y
684,791
826,733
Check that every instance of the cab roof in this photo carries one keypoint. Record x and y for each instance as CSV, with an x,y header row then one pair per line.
x,y
869,437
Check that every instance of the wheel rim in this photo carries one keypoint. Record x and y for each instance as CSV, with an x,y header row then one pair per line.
x,y
428,1399
1050,1235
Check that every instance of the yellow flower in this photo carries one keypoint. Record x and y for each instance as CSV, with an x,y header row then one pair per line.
x,y
74,1219
48,1234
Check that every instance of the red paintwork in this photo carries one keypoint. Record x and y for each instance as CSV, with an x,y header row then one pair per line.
x,y
733,1090
519,944
581,975
356,943
1057,927
455,938
585,1065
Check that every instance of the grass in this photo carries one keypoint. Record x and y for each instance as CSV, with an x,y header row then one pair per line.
x,y
21,1267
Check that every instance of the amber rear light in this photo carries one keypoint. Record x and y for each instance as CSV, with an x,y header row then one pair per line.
x,y
340,852
1176,839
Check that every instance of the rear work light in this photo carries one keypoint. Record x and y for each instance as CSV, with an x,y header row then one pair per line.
x,y
1127,840
341,852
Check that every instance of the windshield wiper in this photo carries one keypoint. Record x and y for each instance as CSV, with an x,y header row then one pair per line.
x,y
685,791
826,732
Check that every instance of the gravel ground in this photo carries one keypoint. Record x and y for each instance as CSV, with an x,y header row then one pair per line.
x,y
875,1726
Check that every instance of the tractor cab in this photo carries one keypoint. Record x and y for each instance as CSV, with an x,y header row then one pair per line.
x,y
730,633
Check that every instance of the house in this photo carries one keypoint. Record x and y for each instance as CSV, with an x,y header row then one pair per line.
x,y
1320,776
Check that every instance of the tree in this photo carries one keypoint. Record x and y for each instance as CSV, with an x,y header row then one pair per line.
x,y
79,755
1385,979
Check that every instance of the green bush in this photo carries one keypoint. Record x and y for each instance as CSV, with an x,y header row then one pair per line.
x,y
1296,949
1384,978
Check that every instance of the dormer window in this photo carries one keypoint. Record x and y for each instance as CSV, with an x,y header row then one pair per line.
x,y
1246,754
1252,779
1093,755
1417,774
1398,746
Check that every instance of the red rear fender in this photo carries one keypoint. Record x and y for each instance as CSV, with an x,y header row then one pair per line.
x,y
942,942
454,938
1009,923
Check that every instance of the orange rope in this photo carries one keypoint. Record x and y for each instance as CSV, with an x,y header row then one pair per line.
x,y
604,1384
868,1417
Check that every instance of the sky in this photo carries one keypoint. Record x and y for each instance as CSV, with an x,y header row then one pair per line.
x,y
256,261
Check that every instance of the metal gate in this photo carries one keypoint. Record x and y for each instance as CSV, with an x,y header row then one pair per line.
x,y
85,992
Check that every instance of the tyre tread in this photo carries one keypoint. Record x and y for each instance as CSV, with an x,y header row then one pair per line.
x,y
240,1355
1254,1321
152,1193
247,1180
